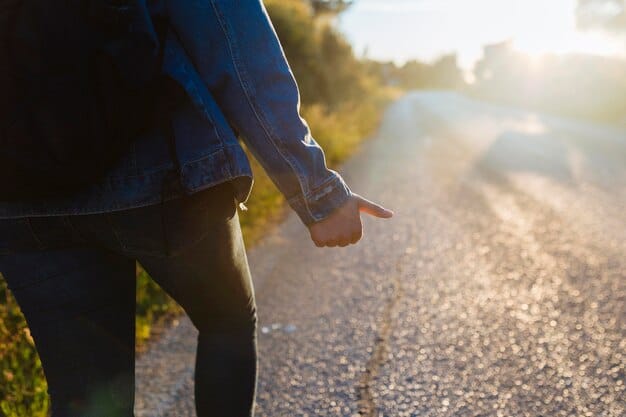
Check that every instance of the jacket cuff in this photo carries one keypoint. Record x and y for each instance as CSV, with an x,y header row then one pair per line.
x,y
321,201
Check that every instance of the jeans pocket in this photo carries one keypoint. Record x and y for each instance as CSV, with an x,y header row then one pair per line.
x,y
16,235
191,219
139,231
165,230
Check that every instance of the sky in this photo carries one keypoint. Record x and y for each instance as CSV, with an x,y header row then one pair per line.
x,y
401,30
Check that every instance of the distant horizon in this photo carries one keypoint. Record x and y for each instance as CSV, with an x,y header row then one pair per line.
x,y
424,30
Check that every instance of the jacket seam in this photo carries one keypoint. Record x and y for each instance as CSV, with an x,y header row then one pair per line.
x,y
198,94
192,88
312,192
33,234
205,156
262,122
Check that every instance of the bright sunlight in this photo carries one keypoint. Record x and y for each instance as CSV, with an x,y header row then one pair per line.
x,y
431,28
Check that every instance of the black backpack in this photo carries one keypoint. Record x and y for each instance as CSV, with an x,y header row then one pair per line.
x,y
79,81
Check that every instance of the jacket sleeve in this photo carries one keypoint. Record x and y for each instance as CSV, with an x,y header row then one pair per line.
x,y
234,47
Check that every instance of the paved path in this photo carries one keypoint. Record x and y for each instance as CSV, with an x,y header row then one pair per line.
x,y
499,289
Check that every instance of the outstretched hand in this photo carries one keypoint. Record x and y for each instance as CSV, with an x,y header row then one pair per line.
x,y
343,227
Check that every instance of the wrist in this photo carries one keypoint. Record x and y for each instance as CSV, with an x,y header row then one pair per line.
x,y
322,201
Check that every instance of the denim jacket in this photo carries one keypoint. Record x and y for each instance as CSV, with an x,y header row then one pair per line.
x,y
227,57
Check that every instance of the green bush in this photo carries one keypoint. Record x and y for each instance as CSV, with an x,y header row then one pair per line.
x,y
22,385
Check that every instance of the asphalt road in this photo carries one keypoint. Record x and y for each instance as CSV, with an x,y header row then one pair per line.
x,y
499,288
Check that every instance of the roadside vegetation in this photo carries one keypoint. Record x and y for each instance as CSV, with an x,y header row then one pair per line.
x,y
342,100
584,87
577,86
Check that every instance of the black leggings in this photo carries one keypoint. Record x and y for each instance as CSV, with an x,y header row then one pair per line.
x,y
74,279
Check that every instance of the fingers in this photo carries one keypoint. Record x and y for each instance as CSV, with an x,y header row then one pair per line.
x,y
332,243
341,241
349,238
343,227
357,235
373,209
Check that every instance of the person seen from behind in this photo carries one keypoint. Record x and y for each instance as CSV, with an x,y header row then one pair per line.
x,y
120,123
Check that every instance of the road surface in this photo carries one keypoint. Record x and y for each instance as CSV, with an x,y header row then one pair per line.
x,y
498,289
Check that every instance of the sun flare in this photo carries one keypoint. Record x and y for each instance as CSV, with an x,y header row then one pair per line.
x,y
428,29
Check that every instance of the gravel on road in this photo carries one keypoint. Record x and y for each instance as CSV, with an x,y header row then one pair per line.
x,y
498,289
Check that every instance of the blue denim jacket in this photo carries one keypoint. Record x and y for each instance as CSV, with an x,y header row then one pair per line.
x,y
226,55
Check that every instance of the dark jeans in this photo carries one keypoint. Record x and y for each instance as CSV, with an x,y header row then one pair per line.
x,y
74,279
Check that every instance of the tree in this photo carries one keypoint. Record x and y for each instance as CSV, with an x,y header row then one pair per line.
x,y
604,14
332,6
